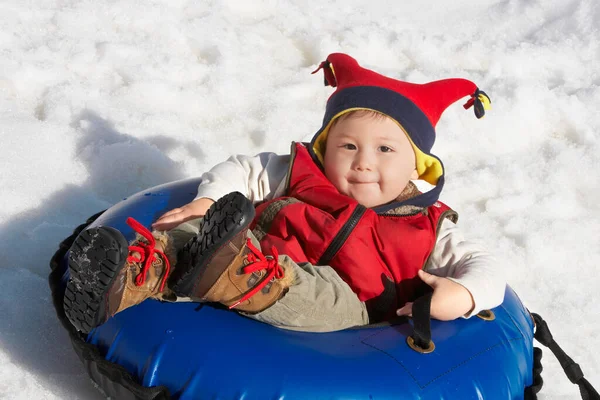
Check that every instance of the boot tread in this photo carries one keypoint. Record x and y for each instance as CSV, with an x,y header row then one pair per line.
x,y
227,217
95,258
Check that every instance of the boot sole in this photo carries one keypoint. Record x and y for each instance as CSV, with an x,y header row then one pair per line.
x,y
226,218
95,259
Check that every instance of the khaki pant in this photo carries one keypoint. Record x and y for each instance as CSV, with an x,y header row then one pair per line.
x,y
318,301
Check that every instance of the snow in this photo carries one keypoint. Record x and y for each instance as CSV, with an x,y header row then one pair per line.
x,y
99,100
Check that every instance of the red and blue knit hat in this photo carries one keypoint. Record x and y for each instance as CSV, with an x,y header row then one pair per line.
x,y
415,107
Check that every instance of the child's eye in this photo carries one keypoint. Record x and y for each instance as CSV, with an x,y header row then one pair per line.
x,y
349,146
385,149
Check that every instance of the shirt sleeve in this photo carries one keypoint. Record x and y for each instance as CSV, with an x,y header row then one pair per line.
x,y
258,177
468,264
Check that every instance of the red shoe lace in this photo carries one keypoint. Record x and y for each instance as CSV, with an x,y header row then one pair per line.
x,y
147,254
259,262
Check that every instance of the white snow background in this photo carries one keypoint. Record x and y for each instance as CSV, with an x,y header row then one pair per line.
x,y
101,99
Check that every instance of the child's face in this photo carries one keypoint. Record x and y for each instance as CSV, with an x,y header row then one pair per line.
x,y
369,159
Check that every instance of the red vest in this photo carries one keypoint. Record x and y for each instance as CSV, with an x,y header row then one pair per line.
x,y
377,255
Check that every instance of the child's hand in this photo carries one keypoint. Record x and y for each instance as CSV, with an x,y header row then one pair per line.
x,y
450,300
177,216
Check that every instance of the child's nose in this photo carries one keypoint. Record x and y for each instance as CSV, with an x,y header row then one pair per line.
x,y
363,161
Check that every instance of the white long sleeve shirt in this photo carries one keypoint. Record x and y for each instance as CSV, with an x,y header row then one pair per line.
x,y
263,177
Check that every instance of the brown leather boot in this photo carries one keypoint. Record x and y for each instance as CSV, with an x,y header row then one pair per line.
x,y
221,264
108,275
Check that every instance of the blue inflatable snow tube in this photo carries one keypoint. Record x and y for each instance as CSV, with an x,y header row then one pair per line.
x,y
201,352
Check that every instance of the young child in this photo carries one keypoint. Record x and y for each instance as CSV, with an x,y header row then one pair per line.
x,y
350,239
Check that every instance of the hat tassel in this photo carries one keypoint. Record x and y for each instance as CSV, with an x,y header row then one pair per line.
x,y
329,73
481,101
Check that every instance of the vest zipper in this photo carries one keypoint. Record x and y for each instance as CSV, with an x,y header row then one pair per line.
x,y
341,237
289,172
